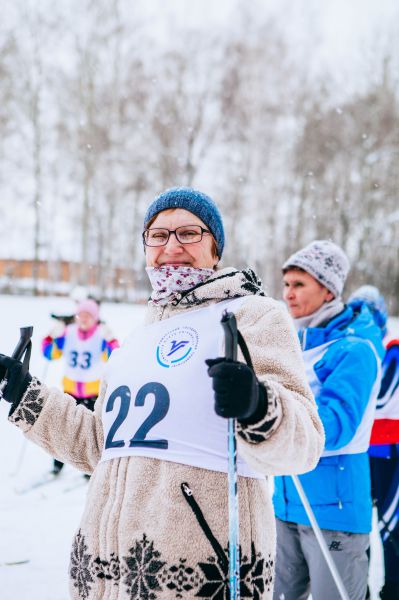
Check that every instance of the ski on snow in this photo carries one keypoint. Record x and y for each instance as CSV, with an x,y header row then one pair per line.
x,y
49,478
76,485
37,483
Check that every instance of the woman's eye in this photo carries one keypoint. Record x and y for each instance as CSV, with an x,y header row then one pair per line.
x,y
158,236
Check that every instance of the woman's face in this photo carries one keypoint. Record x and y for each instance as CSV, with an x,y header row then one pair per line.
x,y
199,254
303,294
85,321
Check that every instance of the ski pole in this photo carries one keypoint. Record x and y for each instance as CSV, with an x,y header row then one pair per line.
x,y
20,348
229,325
322,542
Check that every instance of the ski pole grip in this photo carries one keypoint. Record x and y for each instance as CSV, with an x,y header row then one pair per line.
x,y
229,325
25,337
19,350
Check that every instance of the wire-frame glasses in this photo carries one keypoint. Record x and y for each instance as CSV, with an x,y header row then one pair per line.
x,y
185,234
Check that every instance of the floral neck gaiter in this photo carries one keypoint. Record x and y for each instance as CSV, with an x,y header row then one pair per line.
x,y
169,280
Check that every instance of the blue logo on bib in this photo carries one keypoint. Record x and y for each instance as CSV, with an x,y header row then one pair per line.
x,y
177,347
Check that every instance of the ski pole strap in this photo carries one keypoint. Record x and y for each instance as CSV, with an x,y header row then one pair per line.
x,y
244,349
26,359
234,337
23,342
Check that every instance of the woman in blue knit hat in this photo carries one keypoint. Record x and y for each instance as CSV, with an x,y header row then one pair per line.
x,y
155,524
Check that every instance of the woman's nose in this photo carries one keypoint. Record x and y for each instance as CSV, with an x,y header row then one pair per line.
x,y
173,243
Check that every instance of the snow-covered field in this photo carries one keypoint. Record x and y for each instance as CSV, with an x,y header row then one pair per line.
x,y
36,528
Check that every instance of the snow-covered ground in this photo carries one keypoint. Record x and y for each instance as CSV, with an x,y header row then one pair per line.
x,y
36,527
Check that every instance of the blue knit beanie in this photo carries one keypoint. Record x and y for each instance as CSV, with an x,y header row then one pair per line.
x,y
195,202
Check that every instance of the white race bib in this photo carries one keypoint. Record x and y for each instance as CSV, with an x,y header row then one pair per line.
x,y
388,404
361,440
159,401
83,357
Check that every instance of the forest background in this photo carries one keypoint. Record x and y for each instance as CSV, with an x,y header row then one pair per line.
x,y
286,113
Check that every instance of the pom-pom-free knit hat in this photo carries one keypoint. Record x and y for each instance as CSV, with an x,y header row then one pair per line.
x,y
195,202
325,261
89,306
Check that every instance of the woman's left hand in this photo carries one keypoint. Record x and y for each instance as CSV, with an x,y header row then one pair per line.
x,y
238,393
18,379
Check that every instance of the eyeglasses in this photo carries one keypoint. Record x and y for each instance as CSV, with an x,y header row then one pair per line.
x,y
186,234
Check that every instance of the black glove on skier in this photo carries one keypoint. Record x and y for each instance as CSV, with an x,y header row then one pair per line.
x,y
238,393
18,379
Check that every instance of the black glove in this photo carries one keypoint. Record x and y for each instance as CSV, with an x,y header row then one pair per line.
x,y
18,379
238,393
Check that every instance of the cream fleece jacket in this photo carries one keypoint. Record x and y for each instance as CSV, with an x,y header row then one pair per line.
x,y
153,529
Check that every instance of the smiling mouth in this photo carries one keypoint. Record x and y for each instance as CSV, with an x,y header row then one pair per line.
x,y
174,263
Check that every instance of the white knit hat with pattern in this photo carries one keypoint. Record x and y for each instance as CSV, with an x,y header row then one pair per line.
x,y
325,261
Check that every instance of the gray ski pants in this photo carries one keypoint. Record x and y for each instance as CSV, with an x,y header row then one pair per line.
x,y
301,568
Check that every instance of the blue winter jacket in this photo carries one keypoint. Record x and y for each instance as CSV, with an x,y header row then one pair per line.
x,y
338,489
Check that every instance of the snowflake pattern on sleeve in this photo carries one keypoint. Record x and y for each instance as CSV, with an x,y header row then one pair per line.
x,y
28,410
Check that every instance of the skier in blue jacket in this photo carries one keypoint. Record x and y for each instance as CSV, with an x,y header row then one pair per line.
x,y
342,350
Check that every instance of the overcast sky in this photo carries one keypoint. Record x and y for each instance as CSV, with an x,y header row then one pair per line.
x,y
339,31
